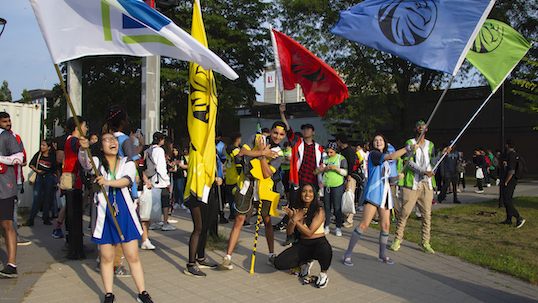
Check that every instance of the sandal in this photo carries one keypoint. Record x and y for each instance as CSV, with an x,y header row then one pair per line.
x,y
386,260
347,261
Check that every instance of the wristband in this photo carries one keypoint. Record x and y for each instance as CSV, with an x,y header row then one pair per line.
x,y
291,221
409,148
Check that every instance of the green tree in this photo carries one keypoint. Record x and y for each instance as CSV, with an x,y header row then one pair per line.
x,y
25,97
5,93
528,89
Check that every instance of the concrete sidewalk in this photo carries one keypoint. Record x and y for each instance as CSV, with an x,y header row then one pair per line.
x,y
46,276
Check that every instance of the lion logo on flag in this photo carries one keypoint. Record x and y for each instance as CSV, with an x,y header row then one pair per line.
x,y
306,66
408,23
488,39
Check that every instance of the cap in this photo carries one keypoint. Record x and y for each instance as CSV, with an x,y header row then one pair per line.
x,y
331,145
307,125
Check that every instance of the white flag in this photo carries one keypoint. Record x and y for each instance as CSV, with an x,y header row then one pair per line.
x,y
77,28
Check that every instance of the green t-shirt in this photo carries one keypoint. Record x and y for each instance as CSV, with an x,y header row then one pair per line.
x,y
331,178
286,166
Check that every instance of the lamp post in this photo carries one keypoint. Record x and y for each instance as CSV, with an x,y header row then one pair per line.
x,y
3,25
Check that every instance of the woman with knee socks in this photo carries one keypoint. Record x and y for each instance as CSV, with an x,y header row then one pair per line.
x,y
377,196
307,223
116,176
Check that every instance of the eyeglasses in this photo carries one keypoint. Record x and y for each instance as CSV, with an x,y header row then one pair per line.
x,y
109,139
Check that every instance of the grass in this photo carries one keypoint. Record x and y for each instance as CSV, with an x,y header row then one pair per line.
x,y
459,231
217,242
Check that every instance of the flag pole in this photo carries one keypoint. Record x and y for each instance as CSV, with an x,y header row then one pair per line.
x,y
435,109
77,122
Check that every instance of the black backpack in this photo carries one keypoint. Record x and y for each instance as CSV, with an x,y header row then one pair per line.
x,y
521,167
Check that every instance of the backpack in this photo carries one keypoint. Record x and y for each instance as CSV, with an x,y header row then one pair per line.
x,y
495,162
151,168
521,167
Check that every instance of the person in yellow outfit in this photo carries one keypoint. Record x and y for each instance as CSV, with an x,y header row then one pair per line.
x,y
266,158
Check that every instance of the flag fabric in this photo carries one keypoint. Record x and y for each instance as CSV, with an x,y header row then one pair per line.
x,y
322,87
497,50
201,120
77,28
434,34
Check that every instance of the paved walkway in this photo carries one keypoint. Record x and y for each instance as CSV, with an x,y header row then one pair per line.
x,y
46,276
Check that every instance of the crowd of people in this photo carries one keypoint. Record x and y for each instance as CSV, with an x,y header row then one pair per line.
x,y
387,184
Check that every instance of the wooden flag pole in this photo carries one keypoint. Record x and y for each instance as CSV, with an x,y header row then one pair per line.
x,y
77,122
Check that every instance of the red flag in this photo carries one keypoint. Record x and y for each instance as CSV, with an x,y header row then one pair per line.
x,y
321,85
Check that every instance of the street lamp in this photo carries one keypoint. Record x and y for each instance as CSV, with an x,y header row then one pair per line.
x,y
3,24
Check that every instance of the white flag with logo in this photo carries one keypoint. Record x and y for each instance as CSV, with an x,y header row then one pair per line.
x,y
77,28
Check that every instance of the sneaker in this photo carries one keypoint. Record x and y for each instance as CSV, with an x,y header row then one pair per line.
x,y
271,260
520,222
347,225
188,211
121,272
109,298
168,227
172,221
338,232
305,269
22,241
497,182
427,248
395,245
223,220
374,221
457,202
147,245
289,240
176,206
226,264
183,206
488,185
98,267
144,297
360,208
194,270
156,225
279,226
206,264
246,224
47,222
28,223
57,233
323,279
506,222
9,272
479,191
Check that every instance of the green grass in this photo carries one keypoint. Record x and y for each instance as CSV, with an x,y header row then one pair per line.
x,y
217,242
459,231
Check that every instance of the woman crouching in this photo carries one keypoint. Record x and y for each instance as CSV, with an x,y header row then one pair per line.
x,y
307,223
117,175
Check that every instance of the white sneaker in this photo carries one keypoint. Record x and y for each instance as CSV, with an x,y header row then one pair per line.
x,y
488,185
183,206
497,182
147,245
338,232
305,269
168,227
188,211
327,230
172,221
176,206
360,208
153,226
323,279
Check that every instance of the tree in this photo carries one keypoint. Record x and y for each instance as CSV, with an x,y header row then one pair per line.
x,y
25,97
528,89
5,93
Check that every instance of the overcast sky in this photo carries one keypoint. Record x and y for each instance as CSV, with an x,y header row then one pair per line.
x,y
24,58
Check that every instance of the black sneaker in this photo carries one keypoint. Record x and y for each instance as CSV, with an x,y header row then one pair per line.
x,y
194,270
223,220
506,222
28,223
246,224
144,297
457,201
9,272
206,264
289,240
520,221
109,298
47,222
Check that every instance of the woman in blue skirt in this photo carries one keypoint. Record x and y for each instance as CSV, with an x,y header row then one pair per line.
x,y
116,176
377,196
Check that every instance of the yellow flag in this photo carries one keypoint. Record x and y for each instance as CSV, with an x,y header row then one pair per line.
x,y
201,120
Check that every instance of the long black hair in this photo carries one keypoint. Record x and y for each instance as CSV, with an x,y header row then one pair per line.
x,y
314,207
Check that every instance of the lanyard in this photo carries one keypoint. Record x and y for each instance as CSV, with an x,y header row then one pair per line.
x,y
114,209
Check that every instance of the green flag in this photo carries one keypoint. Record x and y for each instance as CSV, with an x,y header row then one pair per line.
x,y
497,50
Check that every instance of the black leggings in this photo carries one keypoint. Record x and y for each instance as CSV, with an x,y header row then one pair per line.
x,y
304,251
200,218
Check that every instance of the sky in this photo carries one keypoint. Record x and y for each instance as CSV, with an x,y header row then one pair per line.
x,y
25,62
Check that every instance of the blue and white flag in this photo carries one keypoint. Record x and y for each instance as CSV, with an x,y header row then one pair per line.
x,y
434,34
77,28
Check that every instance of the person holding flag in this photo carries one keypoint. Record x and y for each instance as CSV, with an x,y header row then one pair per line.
x,y
418,184
267,152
